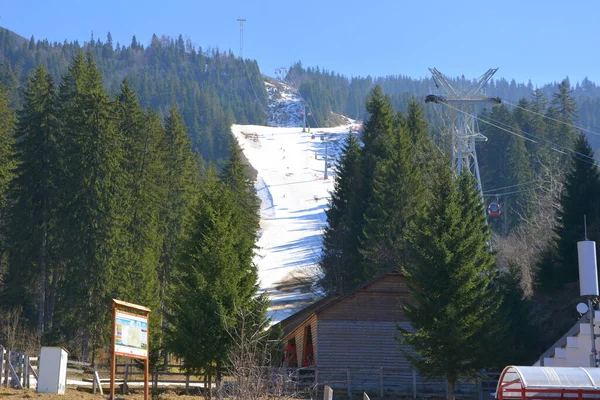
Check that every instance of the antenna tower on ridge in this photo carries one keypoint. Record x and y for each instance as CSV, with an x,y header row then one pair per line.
x,y
464,128
241,21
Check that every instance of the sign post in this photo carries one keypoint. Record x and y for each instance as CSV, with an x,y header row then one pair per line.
x,y
129,338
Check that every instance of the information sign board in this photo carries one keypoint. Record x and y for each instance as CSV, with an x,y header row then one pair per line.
x,y
131,336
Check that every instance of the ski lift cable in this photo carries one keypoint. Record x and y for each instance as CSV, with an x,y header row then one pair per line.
x,y
550,118
253,90
554,146
549,142
489,123
485,194
513,186
297,91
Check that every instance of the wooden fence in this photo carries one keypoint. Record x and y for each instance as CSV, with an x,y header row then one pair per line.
x,y
385,382
20,371
15,369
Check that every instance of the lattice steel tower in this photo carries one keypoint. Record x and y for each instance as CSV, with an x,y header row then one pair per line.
x,y
464,129
241,21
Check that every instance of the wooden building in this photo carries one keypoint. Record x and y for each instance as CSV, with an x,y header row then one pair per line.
x,y
353,333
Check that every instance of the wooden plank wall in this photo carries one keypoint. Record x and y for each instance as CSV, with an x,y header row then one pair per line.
x,y
359,344
378,301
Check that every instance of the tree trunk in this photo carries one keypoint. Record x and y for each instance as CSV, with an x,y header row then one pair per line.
x,y
43,280
52,298
451,387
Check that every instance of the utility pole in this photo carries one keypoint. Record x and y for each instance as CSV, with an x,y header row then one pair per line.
x,y
326,140
464,128
304,119
241,21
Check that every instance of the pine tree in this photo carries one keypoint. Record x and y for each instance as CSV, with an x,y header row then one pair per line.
x,y
90,213
519,172
564,110
399,194
378,137
235,177
579,199
34,200
340,238
7,165
453,305
180,183
212,281
143,135
539,127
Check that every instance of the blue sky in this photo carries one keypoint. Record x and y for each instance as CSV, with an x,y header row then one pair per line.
x,y
544,41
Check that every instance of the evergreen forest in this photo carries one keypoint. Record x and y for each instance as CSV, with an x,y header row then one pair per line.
x,y
211,88
102,198
120,178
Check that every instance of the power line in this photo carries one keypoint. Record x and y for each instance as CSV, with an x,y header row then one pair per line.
x,y
550,118
485,194
512,186
554,146
549,142
241,21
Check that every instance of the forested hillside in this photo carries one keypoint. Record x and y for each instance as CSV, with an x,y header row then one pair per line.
x,y
212,89
326,91
102,198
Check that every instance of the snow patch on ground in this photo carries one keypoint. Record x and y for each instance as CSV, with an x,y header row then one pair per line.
x,y
284,104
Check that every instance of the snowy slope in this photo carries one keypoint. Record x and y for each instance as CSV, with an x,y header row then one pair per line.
x,y
294,197
284,104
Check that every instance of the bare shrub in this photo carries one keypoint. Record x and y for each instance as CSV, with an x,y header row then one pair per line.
x,y
253,359
524,245
14,335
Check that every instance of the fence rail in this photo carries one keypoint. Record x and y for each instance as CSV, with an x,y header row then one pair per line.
x,y
15,369
387,381
18,370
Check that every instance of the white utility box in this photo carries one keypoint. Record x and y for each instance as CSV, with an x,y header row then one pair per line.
x,y
52,370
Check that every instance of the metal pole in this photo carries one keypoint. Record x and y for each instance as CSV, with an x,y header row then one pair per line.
x,y
147,362
304,119
113,364
241,21
326,146
593,333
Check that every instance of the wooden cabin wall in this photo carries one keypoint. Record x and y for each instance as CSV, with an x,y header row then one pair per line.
x,y
361,345
378,301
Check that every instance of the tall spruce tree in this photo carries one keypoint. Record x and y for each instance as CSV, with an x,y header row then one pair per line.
x,y
180,186
518,206
454,305
90,213
399,194
580,198
235,177
31,232
7,165
213,280
340,238
564,110
142,164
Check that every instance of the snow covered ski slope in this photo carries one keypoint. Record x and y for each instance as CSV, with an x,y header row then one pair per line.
x,y
294,197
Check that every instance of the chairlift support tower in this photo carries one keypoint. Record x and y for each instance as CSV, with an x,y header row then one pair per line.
x,y
464,130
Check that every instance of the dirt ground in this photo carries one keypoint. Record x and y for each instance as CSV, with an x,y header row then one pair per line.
x,y
73,394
